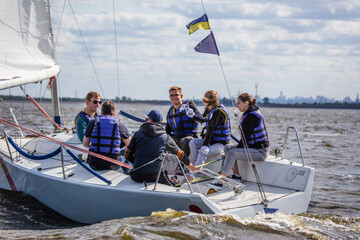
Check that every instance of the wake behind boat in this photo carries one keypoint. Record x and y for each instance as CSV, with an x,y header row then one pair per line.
x,y
50,168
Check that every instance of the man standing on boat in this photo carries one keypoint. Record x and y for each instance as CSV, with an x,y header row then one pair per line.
x,y
82,120
182,119
146,150
104,135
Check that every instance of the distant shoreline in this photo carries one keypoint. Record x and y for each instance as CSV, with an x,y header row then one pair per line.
x,y
225,101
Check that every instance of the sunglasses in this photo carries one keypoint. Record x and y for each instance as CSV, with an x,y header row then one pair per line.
x,y
174,95
96,102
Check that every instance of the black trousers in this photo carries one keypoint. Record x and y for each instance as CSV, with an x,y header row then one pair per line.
x,y
99,164
150,177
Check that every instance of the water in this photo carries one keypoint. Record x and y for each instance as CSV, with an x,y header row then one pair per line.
x,y
330,144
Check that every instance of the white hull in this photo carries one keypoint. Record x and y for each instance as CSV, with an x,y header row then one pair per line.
x,y
84,198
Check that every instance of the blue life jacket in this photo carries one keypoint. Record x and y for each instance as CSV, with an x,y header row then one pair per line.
x,y
259,134
222,132
106,137
82,113
181,125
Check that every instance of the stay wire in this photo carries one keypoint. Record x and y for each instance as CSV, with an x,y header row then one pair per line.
x,y
250,160
222,69
87,51
227,86
116,53
60,21
22,115
55,45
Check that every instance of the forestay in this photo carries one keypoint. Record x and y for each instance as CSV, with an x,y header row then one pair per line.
x,y
26,53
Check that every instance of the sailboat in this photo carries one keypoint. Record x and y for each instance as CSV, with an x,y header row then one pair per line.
x,y
50,169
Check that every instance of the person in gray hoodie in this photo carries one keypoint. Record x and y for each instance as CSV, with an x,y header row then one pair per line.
x,y
147,147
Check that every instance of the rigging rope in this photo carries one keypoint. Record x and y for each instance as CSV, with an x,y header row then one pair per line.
x,y
250,160
248,155
87,51
61,17
40,108
222,69
86,167
13,125
55,44
22,115
116,54
54,153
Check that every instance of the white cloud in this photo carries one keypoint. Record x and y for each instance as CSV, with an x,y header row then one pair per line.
x,y
303,48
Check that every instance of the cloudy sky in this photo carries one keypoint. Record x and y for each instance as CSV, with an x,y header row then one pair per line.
x,y
303,48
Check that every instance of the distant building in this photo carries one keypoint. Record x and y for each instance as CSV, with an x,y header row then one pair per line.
x,y
299,100
347,100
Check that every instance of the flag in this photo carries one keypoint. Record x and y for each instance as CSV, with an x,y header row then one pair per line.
x,y
201,22
207,45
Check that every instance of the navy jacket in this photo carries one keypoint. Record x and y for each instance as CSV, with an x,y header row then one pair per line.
x,y
149,143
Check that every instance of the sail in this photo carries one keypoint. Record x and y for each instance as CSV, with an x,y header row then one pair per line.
x,y
26,46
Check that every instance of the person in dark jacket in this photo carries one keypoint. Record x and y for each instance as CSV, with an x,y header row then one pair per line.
x,y
104,135
182,119
254,138
146,150
217,130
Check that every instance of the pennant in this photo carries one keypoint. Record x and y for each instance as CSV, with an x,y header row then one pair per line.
x,y
199,23
208,45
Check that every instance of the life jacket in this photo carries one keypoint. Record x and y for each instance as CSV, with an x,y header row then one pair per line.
x,y
106,137
181,125
259,134
82,113
222,131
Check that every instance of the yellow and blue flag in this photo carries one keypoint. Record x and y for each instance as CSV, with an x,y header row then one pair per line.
x,y
199,23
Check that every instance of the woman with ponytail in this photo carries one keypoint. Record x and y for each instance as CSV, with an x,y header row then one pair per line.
x,y
254,141
217,130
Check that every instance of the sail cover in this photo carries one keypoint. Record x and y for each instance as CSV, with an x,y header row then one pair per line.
x,y
26,46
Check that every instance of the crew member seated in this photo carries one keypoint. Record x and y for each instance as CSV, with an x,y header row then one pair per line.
x,y
103,135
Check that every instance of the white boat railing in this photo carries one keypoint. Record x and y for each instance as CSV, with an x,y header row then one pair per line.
x,y
298,141
50,155
236,187
169,156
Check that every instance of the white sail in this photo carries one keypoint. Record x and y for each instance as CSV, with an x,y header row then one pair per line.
x,y
26,46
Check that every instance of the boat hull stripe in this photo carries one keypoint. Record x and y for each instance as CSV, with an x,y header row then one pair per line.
x,y
7,174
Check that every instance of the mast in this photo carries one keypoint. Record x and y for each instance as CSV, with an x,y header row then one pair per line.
x,y
55,103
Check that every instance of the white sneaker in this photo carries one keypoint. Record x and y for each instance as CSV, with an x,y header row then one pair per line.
x,y
217,183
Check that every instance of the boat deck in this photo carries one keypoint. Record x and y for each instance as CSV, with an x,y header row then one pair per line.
x,y
224,199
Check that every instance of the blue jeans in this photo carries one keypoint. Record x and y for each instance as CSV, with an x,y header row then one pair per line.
x,y
125,170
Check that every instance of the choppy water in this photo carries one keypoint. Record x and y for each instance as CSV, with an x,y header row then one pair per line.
x,y
330,144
